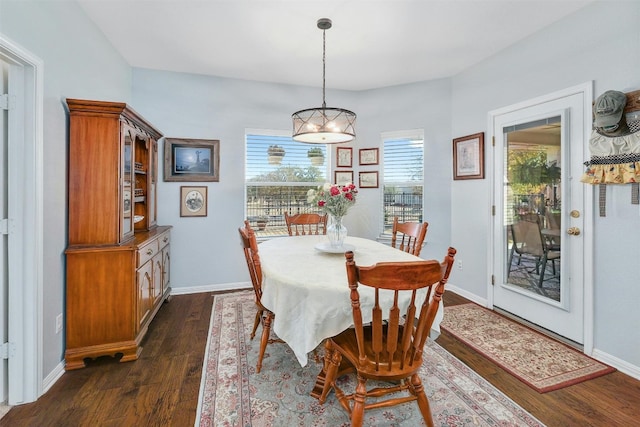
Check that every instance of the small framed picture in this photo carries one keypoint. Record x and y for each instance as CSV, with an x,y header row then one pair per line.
x,y
344,177
193,201
344,157
368,156
468,157
191,159
368,179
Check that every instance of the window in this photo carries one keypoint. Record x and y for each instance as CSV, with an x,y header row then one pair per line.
x,y
278,174
402,178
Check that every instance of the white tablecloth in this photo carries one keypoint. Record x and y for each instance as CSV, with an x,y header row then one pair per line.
x,y
307,289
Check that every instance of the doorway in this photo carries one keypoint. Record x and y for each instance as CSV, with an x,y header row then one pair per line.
x,y
22,227
543,214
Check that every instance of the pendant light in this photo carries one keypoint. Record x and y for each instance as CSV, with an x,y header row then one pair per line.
x,y
324,125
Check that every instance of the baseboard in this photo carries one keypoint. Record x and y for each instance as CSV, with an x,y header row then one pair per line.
x,y
619,364
53,376
468,295
221,287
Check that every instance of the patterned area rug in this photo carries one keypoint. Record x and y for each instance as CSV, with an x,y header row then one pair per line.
x,y
232,394
539,361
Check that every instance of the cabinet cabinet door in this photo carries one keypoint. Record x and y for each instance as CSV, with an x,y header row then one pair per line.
x,y
166,267
156,291
145,285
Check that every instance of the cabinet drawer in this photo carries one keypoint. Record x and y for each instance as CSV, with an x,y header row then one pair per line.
x,y
146,252
164,240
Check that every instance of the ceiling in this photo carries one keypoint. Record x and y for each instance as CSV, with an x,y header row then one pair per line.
x,y
372,43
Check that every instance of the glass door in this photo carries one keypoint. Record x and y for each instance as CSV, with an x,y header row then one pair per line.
x,y
126,211
539,269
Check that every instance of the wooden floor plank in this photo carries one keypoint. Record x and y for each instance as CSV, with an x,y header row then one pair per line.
x,y
161,388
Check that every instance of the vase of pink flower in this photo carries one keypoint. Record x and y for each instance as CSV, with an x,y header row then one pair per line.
x,y
335,200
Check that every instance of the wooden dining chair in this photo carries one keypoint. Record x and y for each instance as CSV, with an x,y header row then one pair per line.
x,y
263,315
411,235
306,224
390,348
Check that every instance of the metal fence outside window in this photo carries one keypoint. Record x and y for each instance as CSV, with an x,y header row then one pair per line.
x,y
266,206
407,206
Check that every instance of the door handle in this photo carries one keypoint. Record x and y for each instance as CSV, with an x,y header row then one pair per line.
x,y
574,231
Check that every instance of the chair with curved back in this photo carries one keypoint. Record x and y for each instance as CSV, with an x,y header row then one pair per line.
x,y
306,224
263,315
411,235
386,349
529,241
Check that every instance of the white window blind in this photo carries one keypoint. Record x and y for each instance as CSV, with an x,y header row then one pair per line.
x,y
273,188
403,177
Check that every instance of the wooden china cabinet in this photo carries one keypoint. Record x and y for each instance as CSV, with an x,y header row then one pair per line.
x,y
117,257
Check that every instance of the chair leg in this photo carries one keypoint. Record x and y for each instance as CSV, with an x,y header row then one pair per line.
x,y
543,262
256,322
357,413
511,258
423,403
266,331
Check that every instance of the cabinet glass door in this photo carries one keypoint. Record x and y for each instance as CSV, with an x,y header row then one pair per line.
x,y
126,211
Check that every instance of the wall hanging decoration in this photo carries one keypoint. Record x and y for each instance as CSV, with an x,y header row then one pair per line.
x,y
468,157
191,159
368,156
193,201
368,179
614,144
344,177
344,157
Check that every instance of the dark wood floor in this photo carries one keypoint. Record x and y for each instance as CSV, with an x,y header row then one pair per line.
x,y
161,388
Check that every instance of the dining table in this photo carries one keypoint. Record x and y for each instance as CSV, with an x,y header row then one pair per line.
x,y
304,283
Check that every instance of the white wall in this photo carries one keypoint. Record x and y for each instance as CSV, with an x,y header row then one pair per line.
x,y
78,62
599,43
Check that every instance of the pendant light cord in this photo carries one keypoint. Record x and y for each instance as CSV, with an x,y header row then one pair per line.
x,y
324,60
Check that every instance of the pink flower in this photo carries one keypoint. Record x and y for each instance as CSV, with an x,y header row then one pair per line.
x,y
335,191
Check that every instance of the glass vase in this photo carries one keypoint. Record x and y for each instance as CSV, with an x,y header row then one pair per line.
x,y
336,231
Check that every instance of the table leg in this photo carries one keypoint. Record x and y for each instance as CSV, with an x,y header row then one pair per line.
x,y
344,368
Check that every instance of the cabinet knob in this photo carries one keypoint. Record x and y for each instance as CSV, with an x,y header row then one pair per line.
x,y
165,240
149,251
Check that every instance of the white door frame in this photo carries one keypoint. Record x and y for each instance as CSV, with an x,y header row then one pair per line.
x,y
586,89
25,222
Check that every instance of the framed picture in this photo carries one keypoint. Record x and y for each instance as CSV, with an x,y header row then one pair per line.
x,y
468,157
344,177
344,157
191,159
368,179
193,201
368,156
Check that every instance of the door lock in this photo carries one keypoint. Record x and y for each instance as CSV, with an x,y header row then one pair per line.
x,y
574,231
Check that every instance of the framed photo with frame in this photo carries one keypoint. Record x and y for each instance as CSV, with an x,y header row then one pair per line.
x,y
468,157
191,160
193,201
368,179
368,156
344,177
344,157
